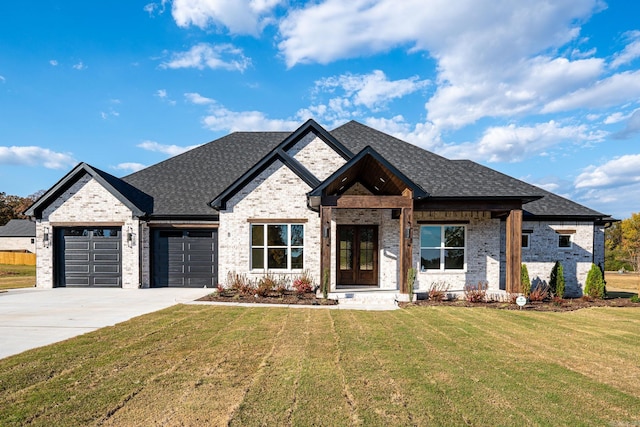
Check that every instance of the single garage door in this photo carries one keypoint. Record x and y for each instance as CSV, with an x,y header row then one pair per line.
x,y
89,256
185,258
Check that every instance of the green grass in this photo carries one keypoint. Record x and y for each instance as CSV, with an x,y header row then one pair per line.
x,y
17,276
211,365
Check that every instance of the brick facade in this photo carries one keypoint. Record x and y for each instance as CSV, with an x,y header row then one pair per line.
x,y
86,203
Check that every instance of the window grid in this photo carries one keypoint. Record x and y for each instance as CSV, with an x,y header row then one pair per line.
x,y
277,247
443,247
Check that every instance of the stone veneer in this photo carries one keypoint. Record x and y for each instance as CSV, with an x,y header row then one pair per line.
x,y
86,203
543,252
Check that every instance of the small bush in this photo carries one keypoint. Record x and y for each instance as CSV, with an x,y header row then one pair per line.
x,y
240,283
635,299
595,286
325,284
266,284
525,283
556,280
539,293
411,280
476,293
438,291
303,284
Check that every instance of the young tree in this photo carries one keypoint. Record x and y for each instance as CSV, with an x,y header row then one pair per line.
x,y
595,286
556,280
631,239
524,280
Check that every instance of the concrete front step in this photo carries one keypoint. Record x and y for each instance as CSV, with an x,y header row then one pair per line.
x,y
366,300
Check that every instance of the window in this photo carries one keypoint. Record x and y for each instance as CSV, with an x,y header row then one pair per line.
x,y
564,241
277,246
526,240
442,247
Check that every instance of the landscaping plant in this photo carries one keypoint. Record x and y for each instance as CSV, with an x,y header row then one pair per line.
x,y
556,280
595,286
438,291
476,293
303,283
525,283
411,279
539,293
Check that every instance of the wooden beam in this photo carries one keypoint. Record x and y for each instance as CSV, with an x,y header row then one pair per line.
x,y
514,251
406,244
325,245
367,202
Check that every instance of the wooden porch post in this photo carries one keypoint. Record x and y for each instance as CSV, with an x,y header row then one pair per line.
x,y
514,250
406,238
325,245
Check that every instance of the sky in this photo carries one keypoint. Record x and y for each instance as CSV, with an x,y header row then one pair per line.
x,y
546,91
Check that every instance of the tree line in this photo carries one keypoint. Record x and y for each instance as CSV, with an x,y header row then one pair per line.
x,y
11,207
622,244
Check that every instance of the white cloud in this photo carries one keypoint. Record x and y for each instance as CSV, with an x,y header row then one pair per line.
x,y
129,166
614,118
613,90
35,156
111,113
163,95
79,66
632,127
630,52
155,8
220,118
204,55
514,144
372,90
53,63
171,150
196,98
2,79
238,16
425,135
618,172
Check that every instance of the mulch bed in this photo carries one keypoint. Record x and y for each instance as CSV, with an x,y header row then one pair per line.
x,y
569,304
287,298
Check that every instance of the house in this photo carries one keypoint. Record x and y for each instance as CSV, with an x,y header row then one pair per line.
x,y
353,205
18,235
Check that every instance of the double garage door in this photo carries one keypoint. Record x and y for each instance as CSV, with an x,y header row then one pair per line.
x,y
92,257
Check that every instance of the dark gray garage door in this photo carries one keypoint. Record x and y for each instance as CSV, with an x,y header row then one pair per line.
x,y
89,256
185,258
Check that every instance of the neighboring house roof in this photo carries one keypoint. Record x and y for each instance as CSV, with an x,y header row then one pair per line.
x,y
188,185
139,202
18,228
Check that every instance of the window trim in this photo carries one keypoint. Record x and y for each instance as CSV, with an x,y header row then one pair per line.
x,y
528,234
570,236
265,247
443,248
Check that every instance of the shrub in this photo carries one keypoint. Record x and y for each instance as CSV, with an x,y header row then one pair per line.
x,y
539,293
476,293
303,283
240,283
525,283
635,299
411,279
438,291
325,284
556,280
266,284
595,286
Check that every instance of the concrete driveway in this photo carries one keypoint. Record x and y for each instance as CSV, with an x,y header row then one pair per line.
x,y
31,318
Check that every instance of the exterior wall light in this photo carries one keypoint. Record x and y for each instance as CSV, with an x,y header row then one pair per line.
x,y
46,238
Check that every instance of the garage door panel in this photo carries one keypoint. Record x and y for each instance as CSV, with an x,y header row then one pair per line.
x,y
91,257
185,258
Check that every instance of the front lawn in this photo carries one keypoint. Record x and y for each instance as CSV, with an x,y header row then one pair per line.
x,y
17,276
212,365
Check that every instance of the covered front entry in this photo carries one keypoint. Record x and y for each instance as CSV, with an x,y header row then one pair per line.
x,y
185,258
357,253
89,256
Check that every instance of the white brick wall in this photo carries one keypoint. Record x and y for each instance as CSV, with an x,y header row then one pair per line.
x,y
544,252
277,193
17,244
482,251
319,158
87,203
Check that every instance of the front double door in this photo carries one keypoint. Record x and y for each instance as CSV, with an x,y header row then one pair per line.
x,y
357,255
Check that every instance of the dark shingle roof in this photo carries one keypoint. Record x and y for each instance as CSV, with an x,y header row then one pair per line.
x,y
18,228
185,184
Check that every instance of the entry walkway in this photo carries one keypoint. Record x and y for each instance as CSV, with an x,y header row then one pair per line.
x,y
31,317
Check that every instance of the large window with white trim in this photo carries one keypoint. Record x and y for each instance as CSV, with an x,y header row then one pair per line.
x,y
442,247
277,246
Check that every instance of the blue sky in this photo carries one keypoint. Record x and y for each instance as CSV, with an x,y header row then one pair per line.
x,y
546,91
